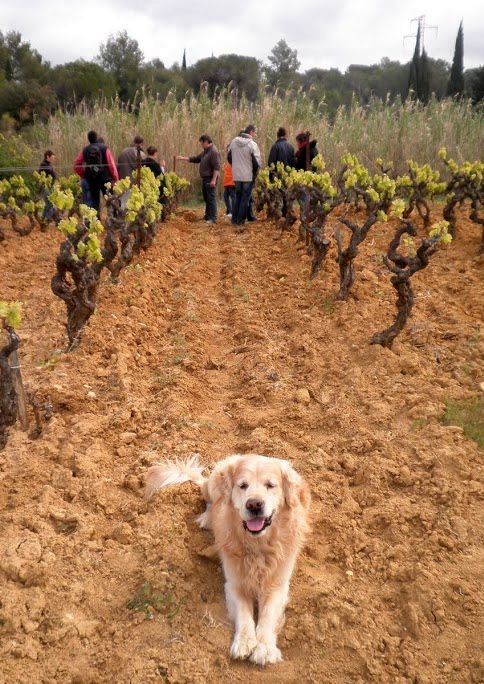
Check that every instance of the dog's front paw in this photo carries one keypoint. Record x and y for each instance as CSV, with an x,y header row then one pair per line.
x,y
265,654
243,645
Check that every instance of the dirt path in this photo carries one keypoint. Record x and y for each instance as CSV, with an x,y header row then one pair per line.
x,y
216,343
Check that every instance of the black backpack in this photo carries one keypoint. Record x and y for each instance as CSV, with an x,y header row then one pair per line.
x,y
93,160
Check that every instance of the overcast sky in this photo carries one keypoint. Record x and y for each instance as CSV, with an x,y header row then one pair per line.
x,y
325,34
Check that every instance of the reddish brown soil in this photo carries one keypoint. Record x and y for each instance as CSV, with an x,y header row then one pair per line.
x,y
217,343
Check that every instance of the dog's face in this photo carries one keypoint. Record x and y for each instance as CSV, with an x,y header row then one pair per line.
x,y
257,487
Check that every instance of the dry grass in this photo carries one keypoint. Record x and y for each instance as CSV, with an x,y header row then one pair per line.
x,y
396,132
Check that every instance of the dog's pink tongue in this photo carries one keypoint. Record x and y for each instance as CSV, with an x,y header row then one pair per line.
x,y
255,524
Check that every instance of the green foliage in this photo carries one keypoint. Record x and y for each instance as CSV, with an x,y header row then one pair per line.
x,y
142,203
18,61
81,80
440,231
11,313
467,414
146,599
474,84
85,229
27,101
14,153
234,71
17,199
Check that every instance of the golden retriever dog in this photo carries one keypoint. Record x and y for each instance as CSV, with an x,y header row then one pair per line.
x,y
257,508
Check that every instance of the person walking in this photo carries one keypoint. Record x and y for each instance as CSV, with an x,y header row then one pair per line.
x,y
131,157
229,188
306,151
96,164
209,161
46,166
245,157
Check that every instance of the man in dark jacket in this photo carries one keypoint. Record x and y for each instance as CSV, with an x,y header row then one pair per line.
x,y
281,151
209,161
46,165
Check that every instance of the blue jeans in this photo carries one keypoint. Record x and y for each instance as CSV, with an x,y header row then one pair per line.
x,y
49,209
229,198
210,197
86,193
242,209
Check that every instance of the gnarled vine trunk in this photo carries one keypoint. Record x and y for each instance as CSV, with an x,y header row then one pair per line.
x,y
8,395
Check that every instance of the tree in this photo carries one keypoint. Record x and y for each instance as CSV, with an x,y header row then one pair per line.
x,y
439,75
455,86
81,80
122,57
424,85
414,74
159,80
184,60
474,79
242,72
284,64
19,62
26,100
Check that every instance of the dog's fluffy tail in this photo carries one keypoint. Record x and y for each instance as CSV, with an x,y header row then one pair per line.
x,y
173,472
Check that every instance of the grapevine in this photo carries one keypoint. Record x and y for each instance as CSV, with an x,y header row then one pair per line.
x,y
379,196
420,185
403,262
466,183
9,320
78,265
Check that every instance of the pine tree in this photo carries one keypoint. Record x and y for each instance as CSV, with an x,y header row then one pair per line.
x,y
455,87
184,60
414,75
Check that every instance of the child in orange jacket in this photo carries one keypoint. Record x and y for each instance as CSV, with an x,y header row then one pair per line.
x,y
229,189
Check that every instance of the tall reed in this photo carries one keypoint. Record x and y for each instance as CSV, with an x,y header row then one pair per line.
x,y
396,132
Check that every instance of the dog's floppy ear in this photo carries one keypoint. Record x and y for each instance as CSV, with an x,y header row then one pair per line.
x,y
296,490
220,482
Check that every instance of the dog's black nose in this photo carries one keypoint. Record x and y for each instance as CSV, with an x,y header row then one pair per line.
x,y
255,506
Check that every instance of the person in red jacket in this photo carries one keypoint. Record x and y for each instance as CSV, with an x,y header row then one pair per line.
x,y
96,165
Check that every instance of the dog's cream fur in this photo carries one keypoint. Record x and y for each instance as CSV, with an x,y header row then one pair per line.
x,y
257,566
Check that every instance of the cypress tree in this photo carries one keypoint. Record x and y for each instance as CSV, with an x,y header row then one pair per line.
x,y
184,60
414,75
424,84
455,86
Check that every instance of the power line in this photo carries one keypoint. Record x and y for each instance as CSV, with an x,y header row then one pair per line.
x,y
422,27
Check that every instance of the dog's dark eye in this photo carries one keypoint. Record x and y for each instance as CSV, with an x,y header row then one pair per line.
x,y
270,485
244,485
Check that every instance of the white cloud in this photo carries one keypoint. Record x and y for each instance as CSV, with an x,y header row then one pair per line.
x,y
324,34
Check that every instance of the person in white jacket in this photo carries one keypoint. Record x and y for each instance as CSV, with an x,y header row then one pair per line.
x,y
245,157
